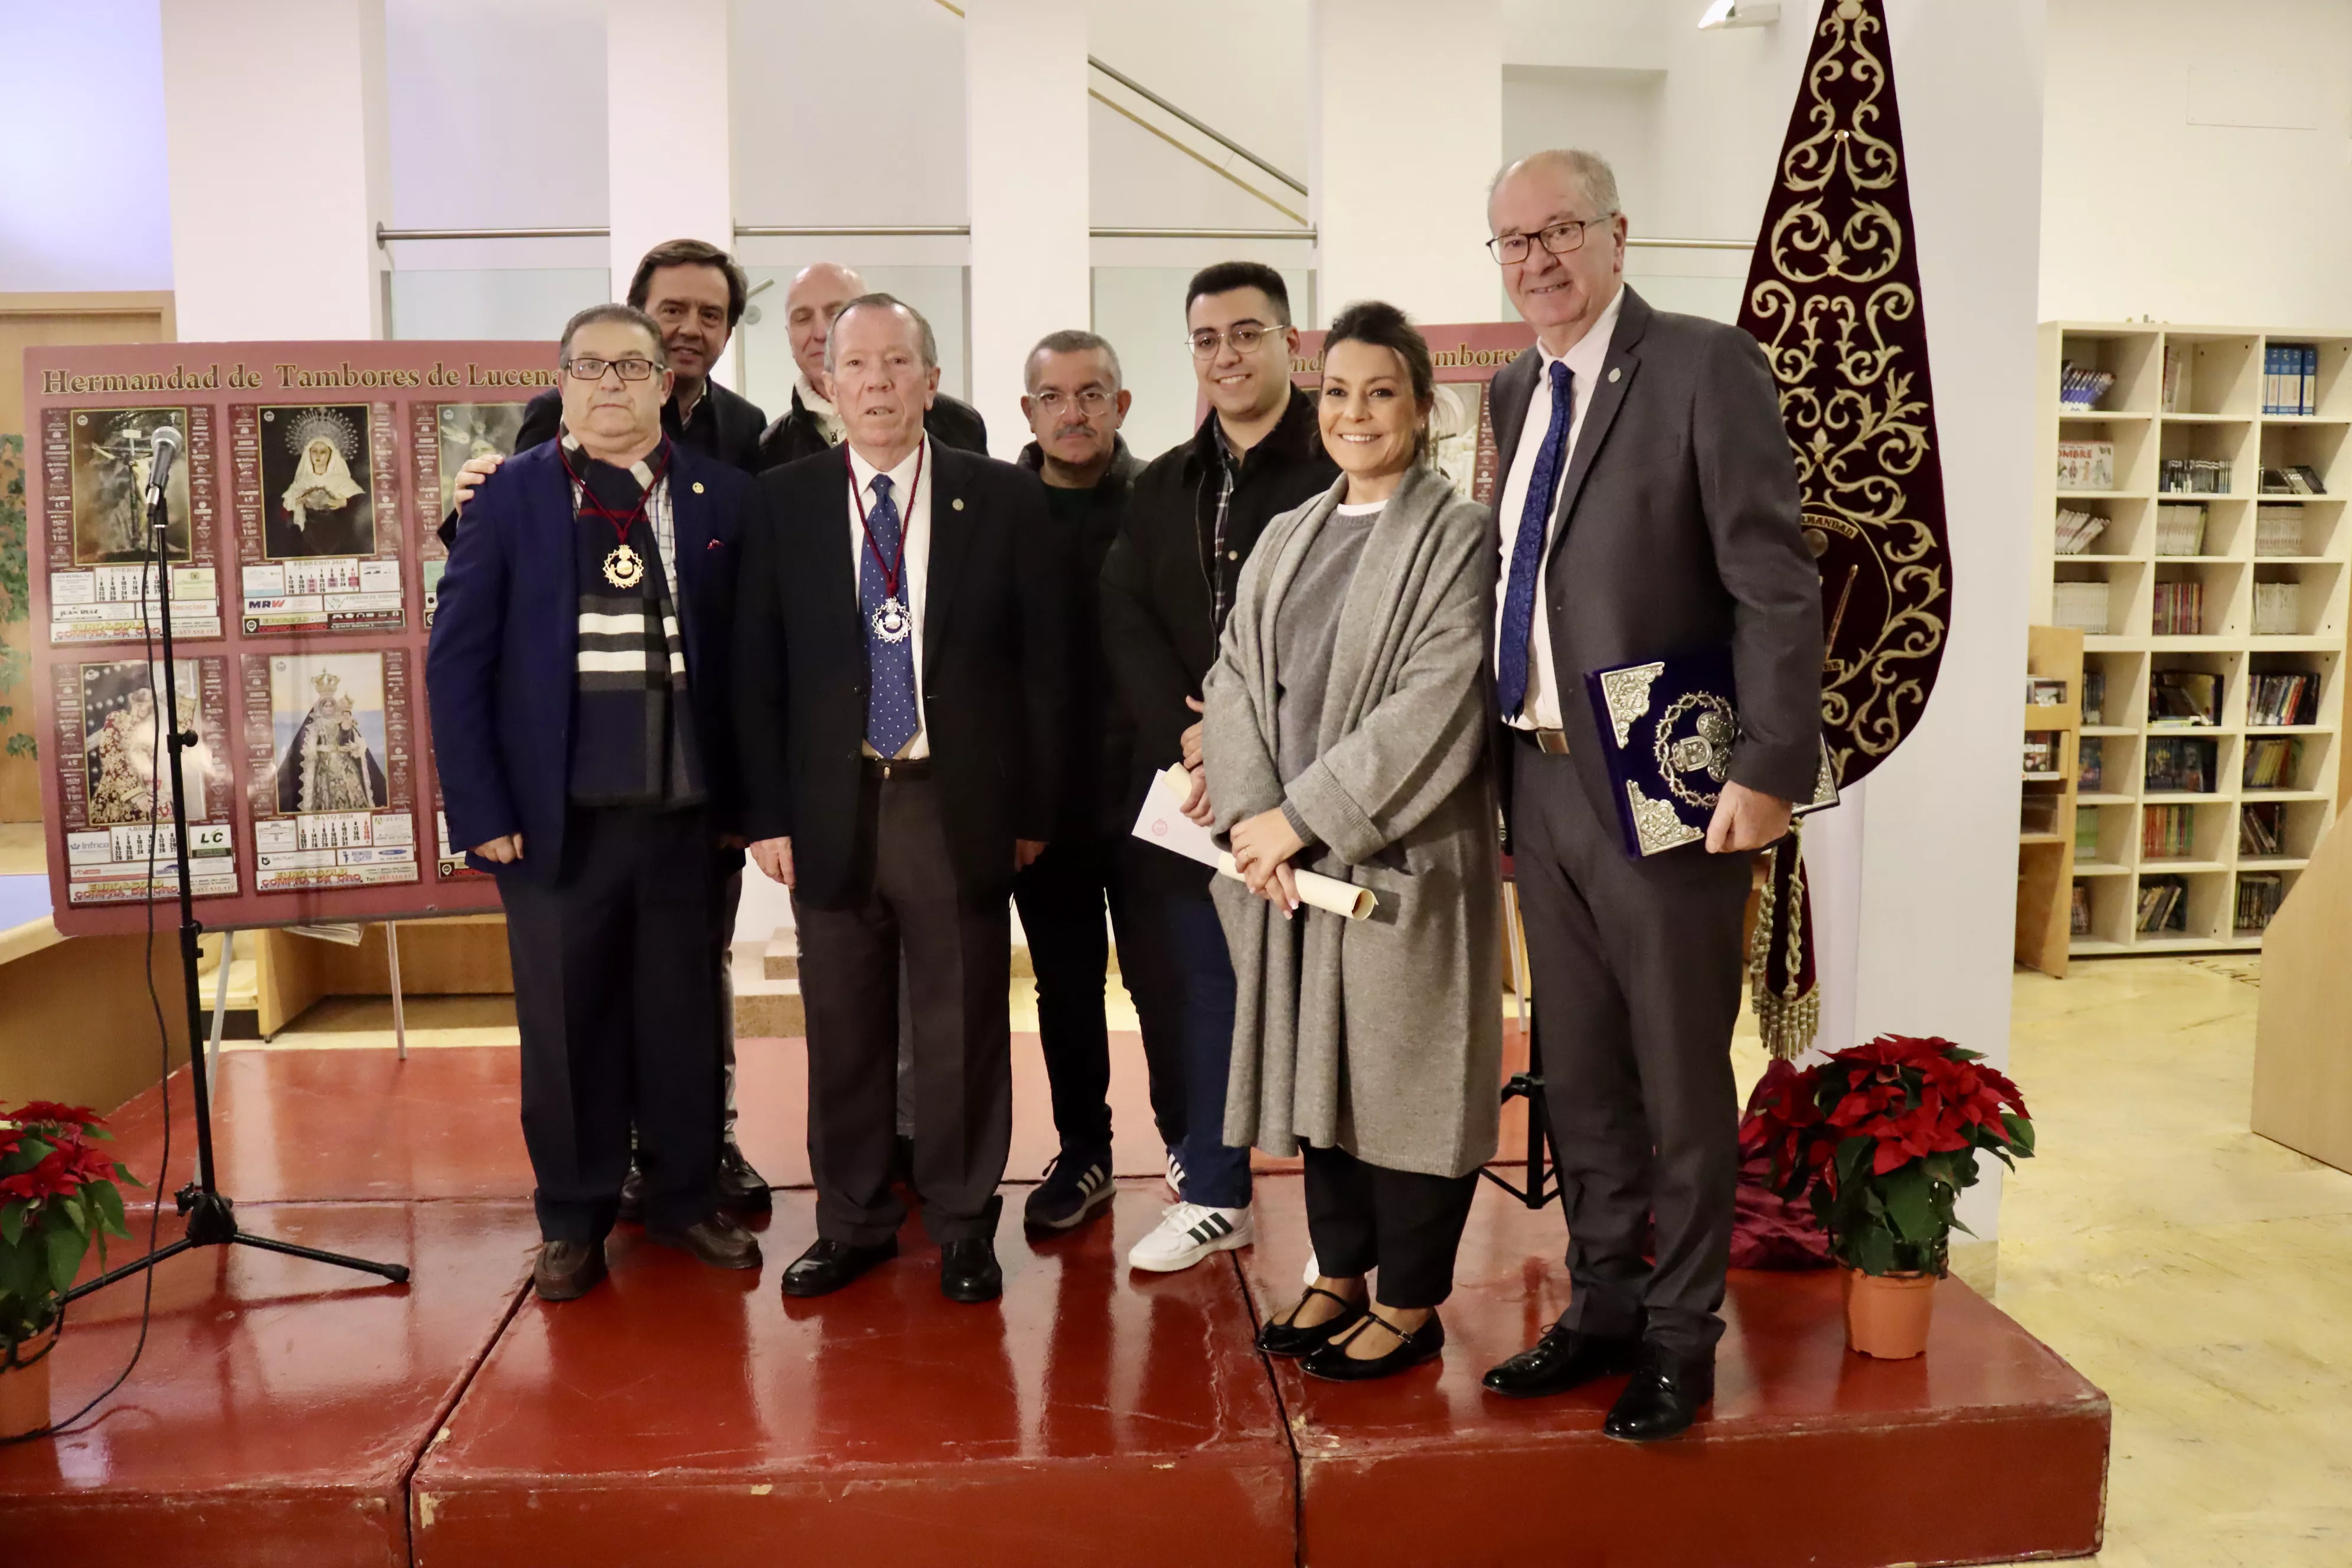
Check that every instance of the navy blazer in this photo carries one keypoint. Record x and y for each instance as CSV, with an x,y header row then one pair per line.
x,y
499,672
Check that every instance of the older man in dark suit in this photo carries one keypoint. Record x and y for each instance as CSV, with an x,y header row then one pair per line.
x,y
1649,507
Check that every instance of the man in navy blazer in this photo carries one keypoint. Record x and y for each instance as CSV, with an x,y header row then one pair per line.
x,y
579,680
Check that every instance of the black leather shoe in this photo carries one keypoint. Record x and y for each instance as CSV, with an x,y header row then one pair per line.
x,y
1334,1364
1287,1339
741,1189
632,1194
1561,1360
827,1266
969,1270
714,1239
1663,1397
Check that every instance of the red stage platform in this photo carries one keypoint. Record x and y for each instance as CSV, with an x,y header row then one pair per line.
x,y
289,1412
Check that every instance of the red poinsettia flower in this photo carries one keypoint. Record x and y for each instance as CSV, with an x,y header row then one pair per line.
x,y
49,1111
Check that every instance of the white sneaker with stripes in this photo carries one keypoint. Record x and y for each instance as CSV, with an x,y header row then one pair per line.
x,y
1189,1232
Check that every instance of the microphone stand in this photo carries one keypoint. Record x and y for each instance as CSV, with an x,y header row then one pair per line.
x,y
212,1220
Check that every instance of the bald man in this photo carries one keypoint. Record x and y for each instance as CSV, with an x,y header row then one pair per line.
x,y
818,292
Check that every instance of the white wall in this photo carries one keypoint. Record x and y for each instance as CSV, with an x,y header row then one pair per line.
x,y
2246,219
84,200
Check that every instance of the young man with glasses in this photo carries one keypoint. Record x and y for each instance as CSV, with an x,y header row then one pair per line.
x,y
1075,406
1167,587
579,676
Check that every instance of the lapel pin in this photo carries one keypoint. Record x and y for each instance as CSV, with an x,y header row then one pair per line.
x,y
1612,377
697,484
956,503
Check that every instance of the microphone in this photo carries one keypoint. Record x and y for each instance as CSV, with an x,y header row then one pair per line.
x,y
164,449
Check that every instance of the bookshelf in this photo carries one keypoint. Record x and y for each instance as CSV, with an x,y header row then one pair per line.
x,y
2168,594
2045,834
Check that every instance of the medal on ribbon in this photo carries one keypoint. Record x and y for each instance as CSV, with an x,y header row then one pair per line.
x,y
624,568
892,621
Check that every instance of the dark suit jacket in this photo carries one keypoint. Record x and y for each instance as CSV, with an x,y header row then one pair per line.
x,y
1677,529
995,675
949,422
498,671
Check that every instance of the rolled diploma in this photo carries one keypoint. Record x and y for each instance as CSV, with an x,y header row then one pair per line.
x,y
1345,899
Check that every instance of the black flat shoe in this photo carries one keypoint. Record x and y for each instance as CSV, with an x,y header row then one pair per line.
x,y
1287,1339
1563,1359
969,1270
1334,1364
827,1266
1663,1397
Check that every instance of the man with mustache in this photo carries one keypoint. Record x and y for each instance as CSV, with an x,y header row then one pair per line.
x,y
1075,404
811,424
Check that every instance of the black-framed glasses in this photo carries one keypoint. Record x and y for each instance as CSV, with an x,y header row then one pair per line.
x,y
1245,337
588,369
1560,238
1089,400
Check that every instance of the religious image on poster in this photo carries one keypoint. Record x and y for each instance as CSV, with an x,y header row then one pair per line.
x,y
119,785
319,533
327,769
101,548
444,439
1461,429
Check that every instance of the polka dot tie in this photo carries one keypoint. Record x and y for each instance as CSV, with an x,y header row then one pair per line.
x,y
891,719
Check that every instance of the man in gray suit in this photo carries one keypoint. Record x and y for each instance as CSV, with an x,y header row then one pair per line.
x,y
1649,507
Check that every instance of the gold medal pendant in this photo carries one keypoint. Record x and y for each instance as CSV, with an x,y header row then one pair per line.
x,y
624,568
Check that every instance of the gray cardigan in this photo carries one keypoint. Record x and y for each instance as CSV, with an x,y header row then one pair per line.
x,y
1381,1037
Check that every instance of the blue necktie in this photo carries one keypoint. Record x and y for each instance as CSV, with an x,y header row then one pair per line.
x,y
890,717
1527,549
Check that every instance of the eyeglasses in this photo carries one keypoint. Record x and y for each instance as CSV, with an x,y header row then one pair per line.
x,y
1244,336
1560,238
1092,400
587,369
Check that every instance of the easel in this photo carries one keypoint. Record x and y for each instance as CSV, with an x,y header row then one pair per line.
x,y
220,995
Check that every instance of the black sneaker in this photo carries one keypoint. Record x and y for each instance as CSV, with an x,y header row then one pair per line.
x,y
1072,1190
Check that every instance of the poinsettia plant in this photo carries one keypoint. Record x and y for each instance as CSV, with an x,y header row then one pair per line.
x,y
57,1196
1883,1139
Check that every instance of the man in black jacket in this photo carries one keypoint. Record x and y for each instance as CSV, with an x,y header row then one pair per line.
x,y
903,646
1167,587
811,424
1075,405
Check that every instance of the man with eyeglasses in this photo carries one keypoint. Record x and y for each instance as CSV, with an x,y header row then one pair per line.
x,y
1649,507
1075,406
579,674
811,425
1167,587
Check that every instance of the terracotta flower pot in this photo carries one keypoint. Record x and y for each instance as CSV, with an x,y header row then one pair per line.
x,y
25,1385
1887,1316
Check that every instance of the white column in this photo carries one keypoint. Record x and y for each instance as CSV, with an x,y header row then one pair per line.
x,y
1407,129
274,118
668,149
1025,141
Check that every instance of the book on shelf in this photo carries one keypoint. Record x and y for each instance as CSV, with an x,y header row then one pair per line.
x,y
2181,528
2260,893
2296,479
2163,905
2083,606
2262,829
2041,751
2089,764
2086,465
2179,608
2087,832
2193,475
2078,914
2278,609
2094,697
2173,387
2179,766
2278,531
2183,698
2289,378
2167,832
2272,762
2282,698
2082,386
2078,530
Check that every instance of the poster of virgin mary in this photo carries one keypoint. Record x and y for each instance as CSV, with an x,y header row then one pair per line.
x,y
314,479
127,784
327,714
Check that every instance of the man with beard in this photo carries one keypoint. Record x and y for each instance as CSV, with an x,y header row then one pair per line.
x,y
811,424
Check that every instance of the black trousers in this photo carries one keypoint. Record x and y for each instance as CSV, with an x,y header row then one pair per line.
x,y
1061,896
1637,968
957,967
1405,1224
613,994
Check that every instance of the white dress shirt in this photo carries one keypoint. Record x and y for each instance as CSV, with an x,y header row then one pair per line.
x,y
1540,709
915,519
